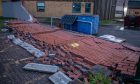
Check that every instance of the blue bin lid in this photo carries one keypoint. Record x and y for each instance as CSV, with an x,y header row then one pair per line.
x,y
68,19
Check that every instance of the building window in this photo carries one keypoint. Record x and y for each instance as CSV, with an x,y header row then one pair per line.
x,y
76,7
119,12
87,7
40,6
137,12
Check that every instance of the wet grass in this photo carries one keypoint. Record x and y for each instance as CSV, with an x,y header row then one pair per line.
x,y
104,22
2,19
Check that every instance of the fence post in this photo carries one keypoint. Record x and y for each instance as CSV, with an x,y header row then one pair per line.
x,y
51,21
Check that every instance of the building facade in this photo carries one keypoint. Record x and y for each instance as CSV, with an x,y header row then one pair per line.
x,y
133,7
105,8
51,8
57,8
0,8
121,8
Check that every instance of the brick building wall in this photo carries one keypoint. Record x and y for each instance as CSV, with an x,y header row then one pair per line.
x,y
134,7
135,12
55,8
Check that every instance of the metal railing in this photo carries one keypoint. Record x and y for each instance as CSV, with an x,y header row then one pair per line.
x,y
52,21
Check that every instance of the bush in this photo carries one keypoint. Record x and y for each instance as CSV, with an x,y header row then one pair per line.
x,y
99,79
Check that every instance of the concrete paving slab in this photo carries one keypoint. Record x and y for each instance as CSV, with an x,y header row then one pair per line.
x,y
11,37
41,67
60,78
17,41
112,38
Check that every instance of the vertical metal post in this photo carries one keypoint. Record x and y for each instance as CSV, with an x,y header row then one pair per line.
x,y
51,21
124,4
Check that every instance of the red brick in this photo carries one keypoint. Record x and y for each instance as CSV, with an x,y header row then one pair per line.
x,y
88,62
128,73
70,73
132,65
77,71
94,52
129,62
78,66
61,52
28,62
62,63
45,62
72,68
41,59
78,62
131,71
54,62
121,68
75,76
123,64
120,65
79,59
126,67
86,65
86,81
131,68
62,70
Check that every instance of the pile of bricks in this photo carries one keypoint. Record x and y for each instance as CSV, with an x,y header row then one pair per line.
x,y
76,53
32,28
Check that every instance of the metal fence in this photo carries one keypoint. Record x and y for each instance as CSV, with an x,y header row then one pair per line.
x,y
53,21
105,8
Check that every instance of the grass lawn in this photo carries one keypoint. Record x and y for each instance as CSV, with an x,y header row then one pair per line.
x,y
104,22
2,19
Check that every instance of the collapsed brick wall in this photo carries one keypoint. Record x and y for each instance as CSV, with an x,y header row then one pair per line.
x,y
89,51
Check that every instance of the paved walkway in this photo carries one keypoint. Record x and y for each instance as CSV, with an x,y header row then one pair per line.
x,y
131,36
12,59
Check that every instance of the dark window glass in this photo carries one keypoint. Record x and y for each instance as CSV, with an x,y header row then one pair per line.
x,y
40,6
76,7
134,4
87,7
136,12
119,12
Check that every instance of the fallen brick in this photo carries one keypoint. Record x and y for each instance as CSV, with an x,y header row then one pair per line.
x,y
100,69
131,71
76,81
86,81
91,49
121,68
75,76
77,66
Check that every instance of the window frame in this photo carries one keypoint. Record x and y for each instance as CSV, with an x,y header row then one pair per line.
x,y
73,10
37,7
86,7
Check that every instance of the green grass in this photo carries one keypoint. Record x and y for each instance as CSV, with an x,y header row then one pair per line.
x,y
104,22
99,79
2,19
